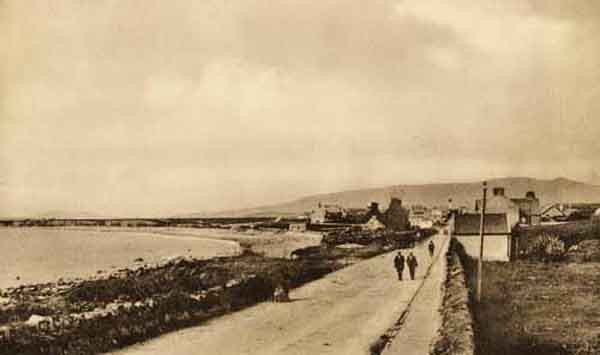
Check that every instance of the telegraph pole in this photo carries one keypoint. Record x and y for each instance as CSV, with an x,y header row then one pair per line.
x,y
481,234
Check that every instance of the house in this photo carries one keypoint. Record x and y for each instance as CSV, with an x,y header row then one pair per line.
x,y
420,216
438,214
327,213
582,211
297,227
317,216
422,223
373,209
334,213
338,214
396,216
528,208
373,224
567,212
552,212
497,235
517,210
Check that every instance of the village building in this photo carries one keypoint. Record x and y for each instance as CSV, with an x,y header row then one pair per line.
x,y
338,214
439,214
317,216
568,212
420,216
396,216
297,227
551,212
373,224
422,223
327,213
596,216
528,208
517,210
497,230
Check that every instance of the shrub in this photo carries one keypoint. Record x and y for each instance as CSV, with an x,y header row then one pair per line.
x,y
547,247
570,234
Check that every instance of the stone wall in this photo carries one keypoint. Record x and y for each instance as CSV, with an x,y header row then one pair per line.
x,y
496,247
455,336
105,326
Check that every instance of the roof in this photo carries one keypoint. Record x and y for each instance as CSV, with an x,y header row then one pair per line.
x,y
469,223
544,209
523,200
374,220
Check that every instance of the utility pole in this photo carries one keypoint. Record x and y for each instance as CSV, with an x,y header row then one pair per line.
x,y
481,234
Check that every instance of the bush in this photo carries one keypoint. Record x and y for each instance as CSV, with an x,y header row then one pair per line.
x,y
547,247
570,234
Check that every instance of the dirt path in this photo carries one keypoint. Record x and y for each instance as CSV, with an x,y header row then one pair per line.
x,y
343,313
423,319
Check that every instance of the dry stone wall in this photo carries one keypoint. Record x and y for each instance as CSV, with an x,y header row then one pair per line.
x,y
456,336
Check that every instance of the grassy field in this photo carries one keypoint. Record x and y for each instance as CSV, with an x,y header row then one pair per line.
x,y
531,306
539,308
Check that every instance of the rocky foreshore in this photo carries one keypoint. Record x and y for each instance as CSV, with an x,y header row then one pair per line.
x,y
89,316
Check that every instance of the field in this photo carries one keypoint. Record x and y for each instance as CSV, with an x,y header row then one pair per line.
x,y
537,308
35,255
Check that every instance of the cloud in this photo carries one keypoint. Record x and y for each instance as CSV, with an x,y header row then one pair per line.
x,y
213,105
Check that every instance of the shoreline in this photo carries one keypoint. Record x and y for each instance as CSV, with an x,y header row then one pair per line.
x,y
200,244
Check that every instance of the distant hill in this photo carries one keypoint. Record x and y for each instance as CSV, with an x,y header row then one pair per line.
x,y
462,194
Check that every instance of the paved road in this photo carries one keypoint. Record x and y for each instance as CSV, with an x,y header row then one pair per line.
x,y
342,313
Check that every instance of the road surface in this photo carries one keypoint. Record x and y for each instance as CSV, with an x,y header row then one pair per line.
x,y
342,313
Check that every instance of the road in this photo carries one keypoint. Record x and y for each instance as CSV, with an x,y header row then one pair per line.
x,y
342,313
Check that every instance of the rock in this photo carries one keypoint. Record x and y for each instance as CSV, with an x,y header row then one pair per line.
x,y
35,319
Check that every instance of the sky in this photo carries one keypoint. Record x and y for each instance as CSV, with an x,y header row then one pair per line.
x,y
147,108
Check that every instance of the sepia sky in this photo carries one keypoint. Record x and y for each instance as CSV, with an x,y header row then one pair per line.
x,y
117,107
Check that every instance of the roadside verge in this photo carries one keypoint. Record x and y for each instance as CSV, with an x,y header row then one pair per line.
x,y
455,336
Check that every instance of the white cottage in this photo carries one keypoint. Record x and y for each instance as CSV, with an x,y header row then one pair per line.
x,y
497,235
373,224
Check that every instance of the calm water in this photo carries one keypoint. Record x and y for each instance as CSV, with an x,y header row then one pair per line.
x,y
42,254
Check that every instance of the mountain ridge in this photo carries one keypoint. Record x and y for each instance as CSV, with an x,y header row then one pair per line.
x,y
558,190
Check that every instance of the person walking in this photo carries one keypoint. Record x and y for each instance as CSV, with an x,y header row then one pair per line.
x,y
412,263
431,248
399,264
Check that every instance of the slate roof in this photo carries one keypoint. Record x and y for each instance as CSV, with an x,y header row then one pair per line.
x,y
469,223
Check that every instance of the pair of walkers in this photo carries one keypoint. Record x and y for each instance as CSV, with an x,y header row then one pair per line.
x,y
410,261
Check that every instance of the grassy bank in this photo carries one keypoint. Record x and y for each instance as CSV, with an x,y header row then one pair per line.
x,y
570,234
455,336
537,308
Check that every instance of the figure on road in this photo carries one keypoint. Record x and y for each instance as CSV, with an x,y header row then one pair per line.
x,y
431,248
411,261
399,264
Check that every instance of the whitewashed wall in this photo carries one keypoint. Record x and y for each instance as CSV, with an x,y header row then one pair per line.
x,y
495,247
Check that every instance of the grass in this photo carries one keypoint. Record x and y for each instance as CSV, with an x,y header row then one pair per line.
x,y
569,233
541,308
538,308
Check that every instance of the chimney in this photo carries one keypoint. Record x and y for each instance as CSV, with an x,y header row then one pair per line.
x,y
498,191
374,207
450,204
395,202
